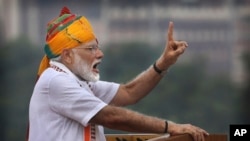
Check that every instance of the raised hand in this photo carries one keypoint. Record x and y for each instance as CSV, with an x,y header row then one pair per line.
x,y
172,51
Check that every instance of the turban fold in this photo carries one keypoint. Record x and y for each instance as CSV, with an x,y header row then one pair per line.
x,y
65,32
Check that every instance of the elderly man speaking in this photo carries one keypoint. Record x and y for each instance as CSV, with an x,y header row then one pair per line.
x,y
70,103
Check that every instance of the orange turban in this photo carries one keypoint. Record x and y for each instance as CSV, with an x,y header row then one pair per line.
x,y
64,32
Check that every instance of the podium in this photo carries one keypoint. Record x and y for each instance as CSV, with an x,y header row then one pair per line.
x,y
158,137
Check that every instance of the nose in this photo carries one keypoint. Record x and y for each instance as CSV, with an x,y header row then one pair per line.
x,y
99,54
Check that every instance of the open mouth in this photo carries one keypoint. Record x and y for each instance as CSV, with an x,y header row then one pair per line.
x,y
95,67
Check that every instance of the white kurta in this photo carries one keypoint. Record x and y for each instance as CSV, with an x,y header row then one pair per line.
x,y
61,106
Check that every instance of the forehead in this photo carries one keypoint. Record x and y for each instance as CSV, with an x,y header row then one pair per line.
x,y
92,42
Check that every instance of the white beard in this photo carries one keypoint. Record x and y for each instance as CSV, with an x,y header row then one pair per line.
x,y
83,70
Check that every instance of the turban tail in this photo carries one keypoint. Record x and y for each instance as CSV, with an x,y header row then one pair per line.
x,y
65,32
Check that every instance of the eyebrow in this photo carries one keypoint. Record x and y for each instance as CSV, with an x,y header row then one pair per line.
x,y
92,45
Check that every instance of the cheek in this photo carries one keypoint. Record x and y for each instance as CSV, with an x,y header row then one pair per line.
x,y
76,59
87,59
84,57
82,61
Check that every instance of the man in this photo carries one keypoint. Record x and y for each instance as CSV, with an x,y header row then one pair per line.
x,y
70,103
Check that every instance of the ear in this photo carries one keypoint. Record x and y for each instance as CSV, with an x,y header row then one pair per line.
x,y
67,56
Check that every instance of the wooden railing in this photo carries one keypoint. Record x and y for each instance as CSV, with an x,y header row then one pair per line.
x,y
157,137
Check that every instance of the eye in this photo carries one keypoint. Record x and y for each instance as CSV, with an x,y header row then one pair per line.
x,y
91,48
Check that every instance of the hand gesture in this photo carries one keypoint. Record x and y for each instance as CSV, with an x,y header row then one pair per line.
x,y
172,51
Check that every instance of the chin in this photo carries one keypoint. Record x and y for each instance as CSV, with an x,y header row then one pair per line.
x,y
97,78
93,78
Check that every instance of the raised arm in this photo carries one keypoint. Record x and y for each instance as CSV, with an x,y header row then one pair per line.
x,y
140,86
119,118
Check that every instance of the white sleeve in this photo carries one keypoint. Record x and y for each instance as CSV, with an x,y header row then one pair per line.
x,y
105,90
67,98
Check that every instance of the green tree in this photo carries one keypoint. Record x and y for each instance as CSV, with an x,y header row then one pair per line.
x,y
19,63
122,62
2,89
245,115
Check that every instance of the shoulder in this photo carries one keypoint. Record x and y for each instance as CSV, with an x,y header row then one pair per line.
x,y
56,79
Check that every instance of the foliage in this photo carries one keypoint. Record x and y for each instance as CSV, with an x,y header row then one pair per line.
x,y
245,113
19,61
123,62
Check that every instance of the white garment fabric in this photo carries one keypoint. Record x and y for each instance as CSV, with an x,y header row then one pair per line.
x,y
61,105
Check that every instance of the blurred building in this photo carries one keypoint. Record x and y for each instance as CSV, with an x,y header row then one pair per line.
x,y
216,30
242,23
9,18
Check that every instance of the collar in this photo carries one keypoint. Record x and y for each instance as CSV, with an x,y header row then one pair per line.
x,y
62,68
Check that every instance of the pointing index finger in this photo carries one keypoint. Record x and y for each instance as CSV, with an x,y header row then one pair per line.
x,y
170,31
